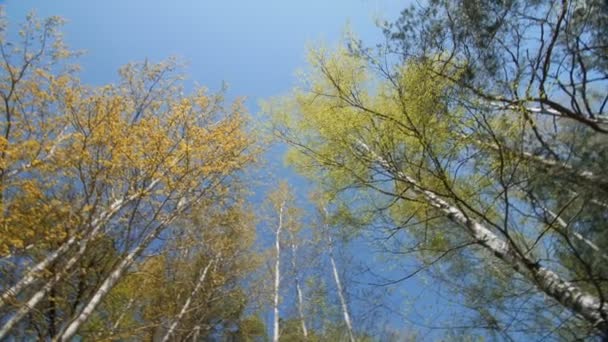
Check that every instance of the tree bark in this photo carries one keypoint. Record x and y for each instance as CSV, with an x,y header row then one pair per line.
x,y
344,305
122,315
563,228
585,176
186,306
277,276
339,288
300,298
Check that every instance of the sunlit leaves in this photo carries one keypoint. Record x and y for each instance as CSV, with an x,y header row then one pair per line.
x,y
121,163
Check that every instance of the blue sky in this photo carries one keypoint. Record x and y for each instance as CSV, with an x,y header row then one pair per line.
x,y
256,47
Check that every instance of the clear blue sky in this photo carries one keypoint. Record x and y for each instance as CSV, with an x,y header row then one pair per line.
x,y
254,46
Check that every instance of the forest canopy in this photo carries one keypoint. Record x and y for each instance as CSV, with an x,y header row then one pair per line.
x,y
465,151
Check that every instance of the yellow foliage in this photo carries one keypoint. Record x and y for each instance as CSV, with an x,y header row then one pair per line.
x,y
69,151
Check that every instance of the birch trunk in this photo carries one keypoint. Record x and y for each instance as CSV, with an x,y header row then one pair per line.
x,y
11,255
32,274
122,315
41,294
294,250
586,176
567,294
277,276
186,306
60,138
340,290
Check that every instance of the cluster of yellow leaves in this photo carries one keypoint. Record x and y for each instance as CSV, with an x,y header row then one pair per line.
x,y
33,211
70,149
35,218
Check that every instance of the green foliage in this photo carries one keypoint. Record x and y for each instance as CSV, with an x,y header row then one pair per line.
x,y
449,124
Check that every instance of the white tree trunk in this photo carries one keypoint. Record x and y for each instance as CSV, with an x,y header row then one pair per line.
x,y
294,250
60,138
11,255
584,175
186,306
41,294
340,290
122,315
105,287
568,295
277,276
32,274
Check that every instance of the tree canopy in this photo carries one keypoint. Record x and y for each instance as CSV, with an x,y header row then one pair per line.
x,y
477,132
466,150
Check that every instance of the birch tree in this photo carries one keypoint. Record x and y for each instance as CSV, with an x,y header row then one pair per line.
x,y
277,274
119,164
279,205
284,221
297,282
187,303
171,296
336,277
407,135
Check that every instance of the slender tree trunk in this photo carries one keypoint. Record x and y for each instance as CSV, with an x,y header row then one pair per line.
x,y
37,297
277,276
28,307
122,315
186,306
32,274
105,287
567,294
11,255
340,290
294,250
60,138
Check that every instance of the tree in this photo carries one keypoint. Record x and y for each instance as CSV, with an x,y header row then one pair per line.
x,y
336,276
296,271
196,286
280,204
87,170
455,174
530,57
